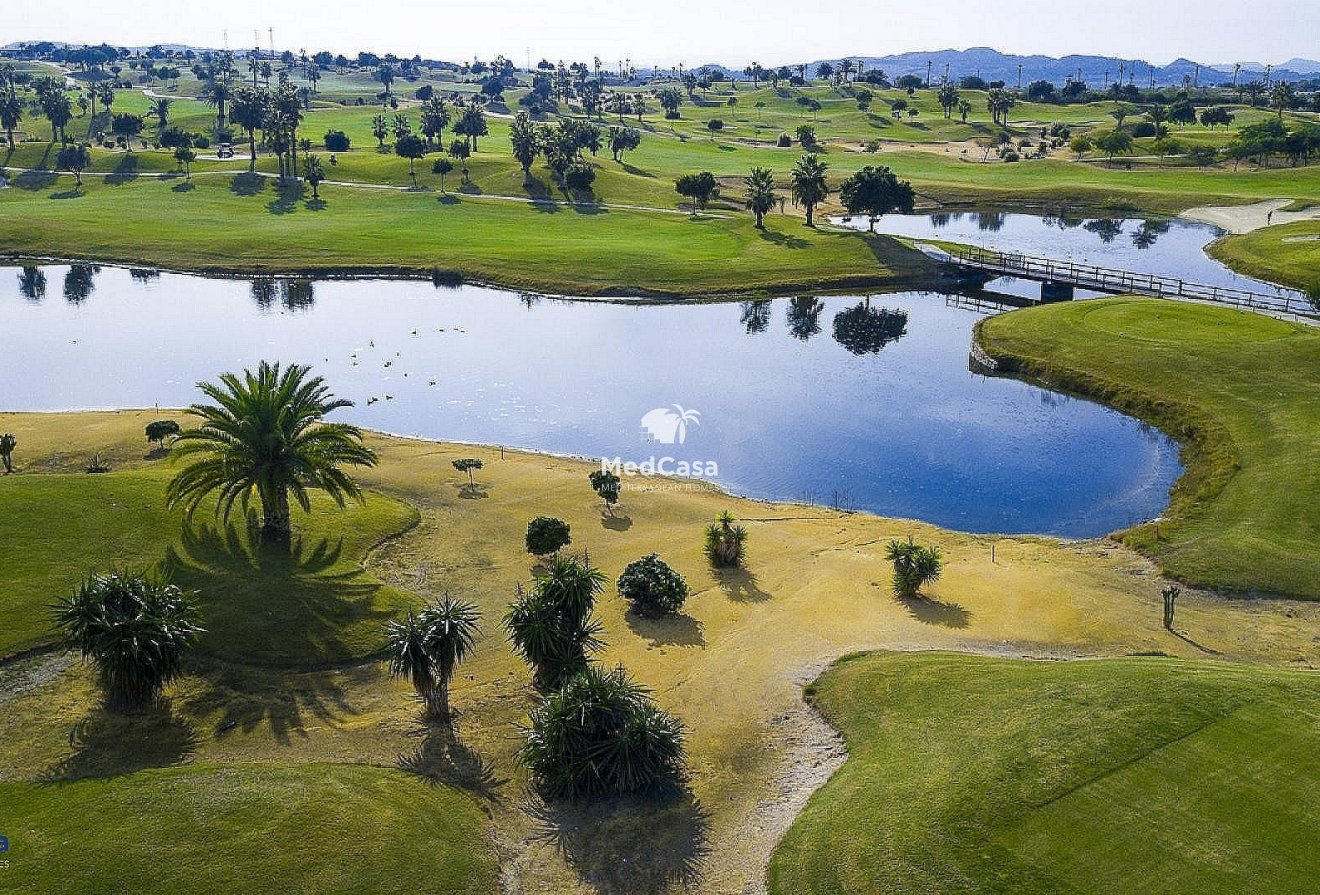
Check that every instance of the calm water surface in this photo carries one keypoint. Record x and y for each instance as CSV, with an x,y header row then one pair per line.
x,y
1170,248
864,403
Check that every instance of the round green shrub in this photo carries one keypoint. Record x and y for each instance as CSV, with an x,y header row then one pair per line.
x,y
652,587
546,535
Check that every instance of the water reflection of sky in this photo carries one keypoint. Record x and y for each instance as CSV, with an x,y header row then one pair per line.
x,y
868,403
1172,248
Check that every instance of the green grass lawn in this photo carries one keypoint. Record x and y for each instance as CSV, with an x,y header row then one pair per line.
x,y
1288,254
227,223
985,775
312,605
137,208
1238,389
241,828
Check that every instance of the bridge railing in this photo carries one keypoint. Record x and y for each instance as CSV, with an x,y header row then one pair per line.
x,y
1108,279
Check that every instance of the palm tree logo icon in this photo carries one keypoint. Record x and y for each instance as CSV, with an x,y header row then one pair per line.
x,y
668,425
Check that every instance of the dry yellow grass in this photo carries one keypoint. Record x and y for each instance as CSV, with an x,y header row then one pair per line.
x,y
731,666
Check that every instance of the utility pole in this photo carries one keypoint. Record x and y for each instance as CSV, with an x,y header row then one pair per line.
x,y
1019,77
929,63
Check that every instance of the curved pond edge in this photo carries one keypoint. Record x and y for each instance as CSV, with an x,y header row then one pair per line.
x,y
1208,453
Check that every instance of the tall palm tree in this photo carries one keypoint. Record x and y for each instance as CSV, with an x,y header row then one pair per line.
x,y
266,434
761,196
809,184
248,111
427,648
216,93
160,110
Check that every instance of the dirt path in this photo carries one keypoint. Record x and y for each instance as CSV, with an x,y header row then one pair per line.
x,y
1246,218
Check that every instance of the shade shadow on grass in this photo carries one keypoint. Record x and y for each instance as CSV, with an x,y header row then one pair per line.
x,y
32,180
247,184
672,629
443,758
186,187
631,844
126,171
930,611
616,523
287,197
109,744
286,604
740,584
448,199
75,193
783,239
243,700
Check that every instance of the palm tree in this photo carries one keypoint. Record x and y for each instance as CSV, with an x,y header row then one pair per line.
x,y
1283,97
248,111
551,625
135,630
266,434
809,184
11,113
914,566
314,173
726,543
761,196
216,93
426,649
160,110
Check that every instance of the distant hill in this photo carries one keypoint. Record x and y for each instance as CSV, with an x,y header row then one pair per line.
x,y
1302,66
993,65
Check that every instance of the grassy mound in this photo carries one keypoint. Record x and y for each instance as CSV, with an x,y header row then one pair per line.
x,y
314,828
1288,254
976,774
309,605
1237,389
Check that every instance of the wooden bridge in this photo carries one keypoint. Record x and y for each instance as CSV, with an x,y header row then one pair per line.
x,y
1058,279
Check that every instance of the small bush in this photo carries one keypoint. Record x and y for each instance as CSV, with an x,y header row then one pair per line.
x,y
671,114
784,141
652,587
715,124
337,141
546,535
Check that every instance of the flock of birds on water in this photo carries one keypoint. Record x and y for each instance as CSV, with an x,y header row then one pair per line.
x,y
371,344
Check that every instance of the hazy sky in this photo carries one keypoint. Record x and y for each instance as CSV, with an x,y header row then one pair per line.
x,y
697,31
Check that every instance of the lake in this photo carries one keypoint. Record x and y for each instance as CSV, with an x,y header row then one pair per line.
x,y
862,403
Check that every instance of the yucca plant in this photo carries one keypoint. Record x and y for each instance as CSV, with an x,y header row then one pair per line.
x,y
726,543
914,566
551,625
135,629
266,435
601,734
426,649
